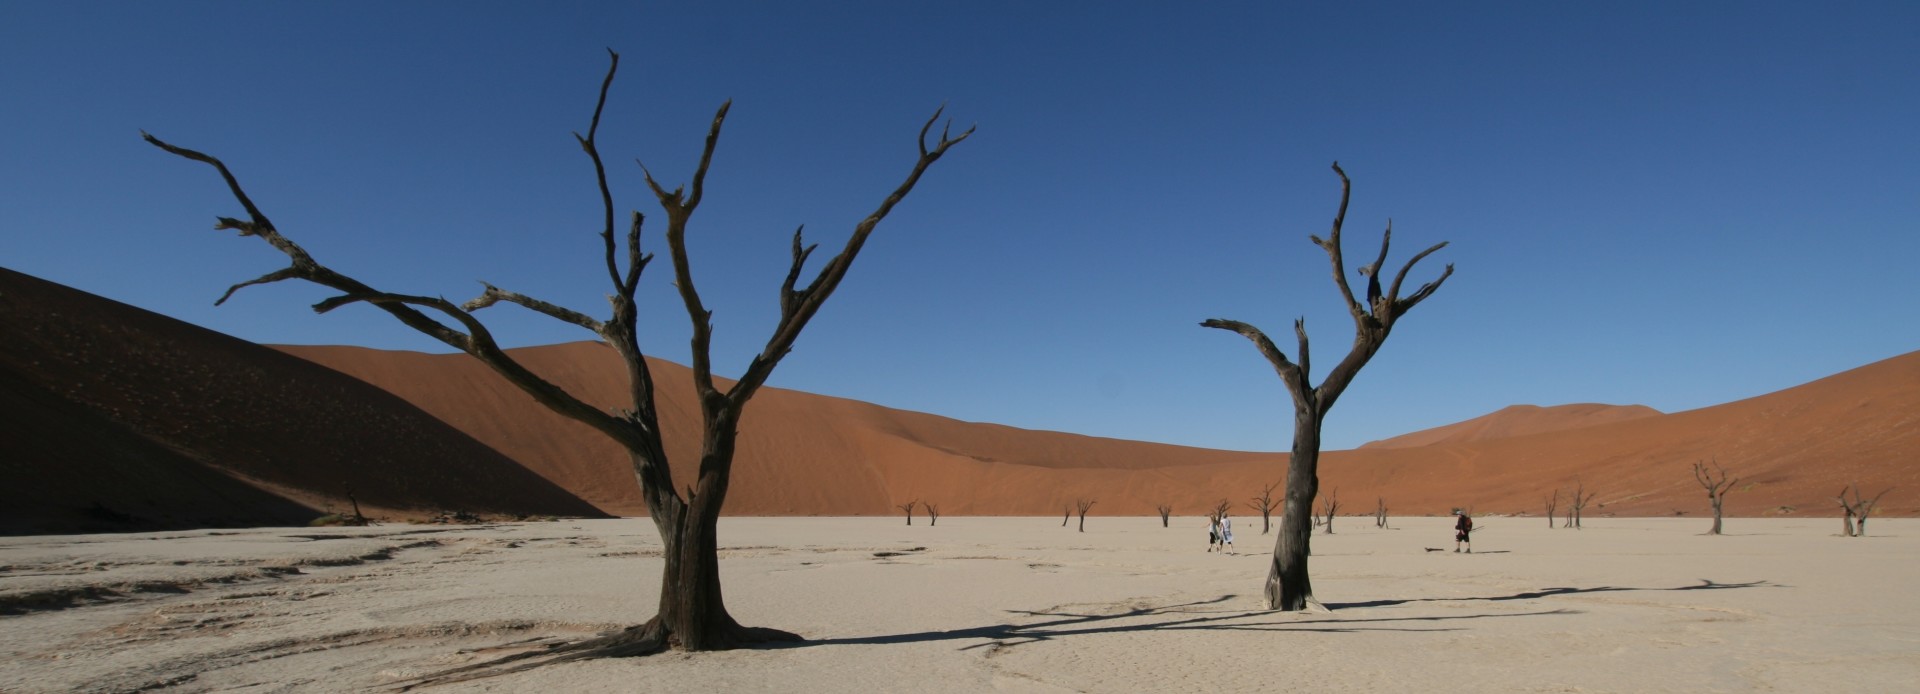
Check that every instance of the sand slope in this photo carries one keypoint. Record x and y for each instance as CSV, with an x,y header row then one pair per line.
x,y
163,424
440,431
1518,420
805,454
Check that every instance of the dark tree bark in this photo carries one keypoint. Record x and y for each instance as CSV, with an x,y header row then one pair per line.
x,y
1265,503
1331,506
1858,509
1066,515
1716,486
933,513
1846,521
692,613
1552,502
1165,511
1380,513
908,507
1082,505
1577,504
1288,586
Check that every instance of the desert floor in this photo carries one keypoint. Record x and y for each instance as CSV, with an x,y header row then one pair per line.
x,y
980,604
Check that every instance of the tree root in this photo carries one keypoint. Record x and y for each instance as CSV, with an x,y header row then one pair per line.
x,y
644,639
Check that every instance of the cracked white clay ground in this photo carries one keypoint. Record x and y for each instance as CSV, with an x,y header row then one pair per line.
x,y
978,604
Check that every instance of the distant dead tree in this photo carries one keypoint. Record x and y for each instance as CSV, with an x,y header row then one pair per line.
x,y
1552,502
1082,505
1858,508
1165,511
1066,515
1331,506
1219,510
1717,488
1380,513
933,512
908,507
1577,504
1265,503
692,612
1288,586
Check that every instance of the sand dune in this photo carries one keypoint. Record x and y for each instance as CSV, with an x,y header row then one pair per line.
x,y
804,454
121,418
1518,420
440,431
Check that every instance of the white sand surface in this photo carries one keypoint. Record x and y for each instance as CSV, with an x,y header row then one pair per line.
x,y
981,604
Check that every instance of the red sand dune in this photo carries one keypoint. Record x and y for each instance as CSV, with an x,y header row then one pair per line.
x,y
809,454
1518,420
118,418
281,425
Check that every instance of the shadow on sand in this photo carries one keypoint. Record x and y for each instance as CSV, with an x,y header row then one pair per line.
x,y
1207,615
1704,584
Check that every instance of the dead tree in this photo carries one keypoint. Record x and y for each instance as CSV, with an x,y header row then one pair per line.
x,y
1219,510
1165,511
1858,508
1082,505
1066,515
908,507
1265,503
1717,488
1288,586
1552,502
1577,504
692,612
1330,507
933,513
1380,513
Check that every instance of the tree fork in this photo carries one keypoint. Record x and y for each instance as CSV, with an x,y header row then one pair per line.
x,y
692,613
1288,586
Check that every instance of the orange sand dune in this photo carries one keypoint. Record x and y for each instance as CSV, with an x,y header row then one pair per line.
x,y
1518,420
118,418
807,454
125,390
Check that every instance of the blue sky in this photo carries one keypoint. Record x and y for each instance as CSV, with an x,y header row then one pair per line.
x,y
1669,204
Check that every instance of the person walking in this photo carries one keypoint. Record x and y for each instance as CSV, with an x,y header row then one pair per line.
x,y
1213,532
1462,531
1226,531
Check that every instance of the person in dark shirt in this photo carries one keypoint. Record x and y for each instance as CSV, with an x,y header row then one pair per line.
x,y
1462,531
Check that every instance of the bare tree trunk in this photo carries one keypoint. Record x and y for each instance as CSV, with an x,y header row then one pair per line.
x,y
933,513
1858,508
692,614
1165,511
1287,586
1552,501
1717,488
1380,513
1331,506
1066,515
908,507
1265,504
1083,505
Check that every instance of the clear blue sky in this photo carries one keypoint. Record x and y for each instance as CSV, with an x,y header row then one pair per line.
x,y
1669,204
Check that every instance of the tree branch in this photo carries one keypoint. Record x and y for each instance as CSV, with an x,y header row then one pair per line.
x,y
808,302
494,295
1331,245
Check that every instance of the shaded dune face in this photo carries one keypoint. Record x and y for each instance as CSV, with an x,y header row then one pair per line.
x,y
120,418
269,435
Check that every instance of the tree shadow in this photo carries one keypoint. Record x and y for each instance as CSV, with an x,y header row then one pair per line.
x,y
1705,584
1200,615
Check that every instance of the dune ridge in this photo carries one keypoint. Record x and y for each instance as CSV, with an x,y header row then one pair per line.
x,y
148,416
